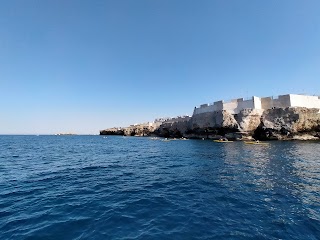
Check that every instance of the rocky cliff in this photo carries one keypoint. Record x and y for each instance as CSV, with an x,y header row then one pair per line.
x,y
289,123
112,131
133,130
272,124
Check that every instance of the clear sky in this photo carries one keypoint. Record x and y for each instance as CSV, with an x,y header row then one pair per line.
x,y
82,66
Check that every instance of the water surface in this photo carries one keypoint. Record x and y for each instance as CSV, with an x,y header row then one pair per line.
x,y
92,187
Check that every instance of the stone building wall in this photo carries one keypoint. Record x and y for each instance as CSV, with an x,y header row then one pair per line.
x,y
236,105
304,101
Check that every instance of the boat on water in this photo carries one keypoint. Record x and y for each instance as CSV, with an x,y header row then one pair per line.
x,y
222,141
166,140
173,139
256,143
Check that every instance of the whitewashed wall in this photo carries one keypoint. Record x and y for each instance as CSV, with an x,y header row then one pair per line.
x,y
283,101
266,102
245,104
256,102
204,109
231,107
304,101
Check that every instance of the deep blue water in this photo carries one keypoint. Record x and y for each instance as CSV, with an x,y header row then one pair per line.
x,y
90,187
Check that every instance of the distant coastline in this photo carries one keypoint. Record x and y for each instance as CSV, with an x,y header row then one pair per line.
x,y
287,117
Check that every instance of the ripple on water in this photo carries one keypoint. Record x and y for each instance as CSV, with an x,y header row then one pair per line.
x,y
86,187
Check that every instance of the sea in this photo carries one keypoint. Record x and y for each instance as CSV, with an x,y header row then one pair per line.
x,y
114,187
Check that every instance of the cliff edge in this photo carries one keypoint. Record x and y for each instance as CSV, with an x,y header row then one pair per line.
x,y
294,123
289,124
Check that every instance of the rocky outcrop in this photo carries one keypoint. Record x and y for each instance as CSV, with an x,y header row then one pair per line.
x,y
218,119
138,130
272,124
289,124
248,120
143,129
211,125
173,129
112,131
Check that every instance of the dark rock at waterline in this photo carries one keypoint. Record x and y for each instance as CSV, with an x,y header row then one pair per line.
x,y
112,131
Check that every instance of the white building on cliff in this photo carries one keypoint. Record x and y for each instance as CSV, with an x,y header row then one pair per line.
x,y
282,101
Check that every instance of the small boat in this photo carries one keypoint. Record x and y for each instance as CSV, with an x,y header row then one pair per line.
x,y
222,141
256,143
166,140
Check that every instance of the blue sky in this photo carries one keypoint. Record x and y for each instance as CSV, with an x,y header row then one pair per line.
x,y
81,66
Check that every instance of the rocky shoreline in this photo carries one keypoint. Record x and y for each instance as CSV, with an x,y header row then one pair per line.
x,y
292,123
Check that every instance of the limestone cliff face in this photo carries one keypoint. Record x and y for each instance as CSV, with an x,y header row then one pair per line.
x,y
204,125
218,119
272,124
289,123
246,121
112,131
133,130
173,129
249,119
278,124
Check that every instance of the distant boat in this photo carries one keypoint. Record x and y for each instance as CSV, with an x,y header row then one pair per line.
x,y
166,140
256,143
222,141
65,134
